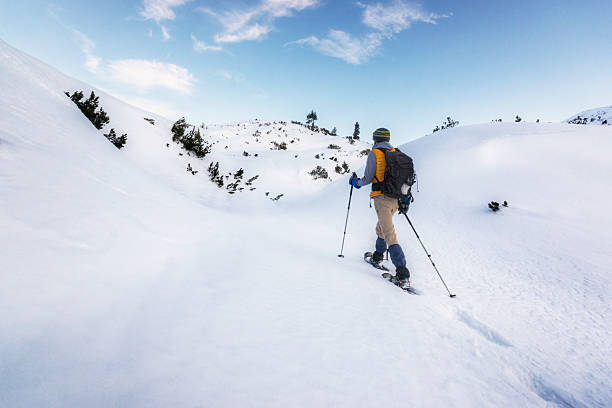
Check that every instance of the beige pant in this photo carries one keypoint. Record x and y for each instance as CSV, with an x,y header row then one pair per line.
x,y
386,207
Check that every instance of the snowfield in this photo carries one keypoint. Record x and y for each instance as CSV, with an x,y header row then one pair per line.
x,y
129,282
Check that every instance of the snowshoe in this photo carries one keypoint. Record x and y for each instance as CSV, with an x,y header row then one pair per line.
x,y
372,260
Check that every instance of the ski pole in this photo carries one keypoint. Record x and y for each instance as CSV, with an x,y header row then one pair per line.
x,y
346,222
429,256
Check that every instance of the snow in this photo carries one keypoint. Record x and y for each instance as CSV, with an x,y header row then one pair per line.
x,y
127,281
597,116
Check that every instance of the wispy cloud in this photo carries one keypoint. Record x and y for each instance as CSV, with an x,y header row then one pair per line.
x,y
386,21
92,62
201,46
146,75
237,78
255,22
396,17
86,44
341,45
165,34
160,10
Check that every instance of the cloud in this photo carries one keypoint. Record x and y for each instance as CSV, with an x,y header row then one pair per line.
x,y
152,74
160,10
249,33
254,23
165,33
341,45
385,20
92,62
396,17
86,44
237,78
201,46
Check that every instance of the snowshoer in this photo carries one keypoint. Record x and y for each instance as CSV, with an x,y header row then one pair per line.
x,y
385,206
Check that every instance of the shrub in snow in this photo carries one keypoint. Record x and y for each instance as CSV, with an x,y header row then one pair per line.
x,y
364,152
89,107
447,125
319,173
213,174
578,121
151,121
119,142
250,181
342,169
191,141
191,170
280,146
333,147
494,205
518,119
278,197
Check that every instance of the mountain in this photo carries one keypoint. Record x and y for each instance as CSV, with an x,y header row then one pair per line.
x,y
129,281
598,116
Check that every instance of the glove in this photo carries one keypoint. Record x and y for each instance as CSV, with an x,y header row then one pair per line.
x,y
404,203
353,181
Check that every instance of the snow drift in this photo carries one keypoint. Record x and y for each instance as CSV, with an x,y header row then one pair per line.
x,y
127,281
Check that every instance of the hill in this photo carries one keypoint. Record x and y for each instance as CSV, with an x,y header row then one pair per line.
x,y
597,116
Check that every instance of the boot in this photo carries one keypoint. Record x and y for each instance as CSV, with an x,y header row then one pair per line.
x,y
402,273
377,258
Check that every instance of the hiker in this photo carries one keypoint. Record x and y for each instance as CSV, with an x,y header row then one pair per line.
x,y
385,206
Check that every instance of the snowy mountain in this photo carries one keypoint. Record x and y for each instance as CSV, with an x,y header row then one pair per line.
x,y
598,116
128,281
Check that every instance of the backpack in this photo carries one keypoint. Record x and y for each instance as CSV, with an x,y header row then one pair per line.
x,y
399,174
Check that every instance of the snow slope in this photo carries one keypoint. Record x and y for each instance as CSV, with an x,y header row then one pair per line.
x,y
127,281
597,116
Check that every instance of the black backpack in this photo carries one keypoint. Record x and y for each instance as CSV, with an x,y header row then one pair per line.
x,y
399,173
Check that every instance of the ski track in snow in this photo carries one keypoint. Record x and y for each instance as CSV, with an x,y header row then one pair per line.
x,y
129,282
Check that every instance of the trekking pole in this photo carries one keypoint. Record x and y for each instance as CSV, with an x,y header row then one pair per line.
x,y
346,222
429,256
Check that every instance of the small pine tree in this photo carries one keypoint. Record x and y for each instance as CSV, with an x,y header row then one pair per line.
x,y
311,118
334,131
89,107
178,129
518,119
356,132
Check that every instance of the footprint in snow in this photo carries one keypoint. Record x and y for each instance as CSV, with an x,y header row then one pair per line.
x,y
487,332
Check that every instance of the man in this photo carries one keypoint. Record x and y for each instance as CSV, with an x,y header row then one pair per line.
x,y
385,206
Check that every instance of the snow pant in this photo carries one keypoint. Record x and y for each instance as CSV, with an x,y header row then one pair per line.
x,y
386,207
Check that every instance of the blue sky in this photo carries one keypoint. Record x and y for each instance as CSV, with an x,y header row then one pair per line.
x,y
394,63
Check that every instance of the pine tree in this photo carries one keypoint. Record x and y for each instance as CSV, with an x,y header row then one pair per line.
x,y
356,132
178,129
334,131
311,118
89,107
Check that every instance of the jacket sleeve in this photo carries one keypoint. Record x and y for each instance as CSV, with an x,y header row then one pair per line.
x,y
370,170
